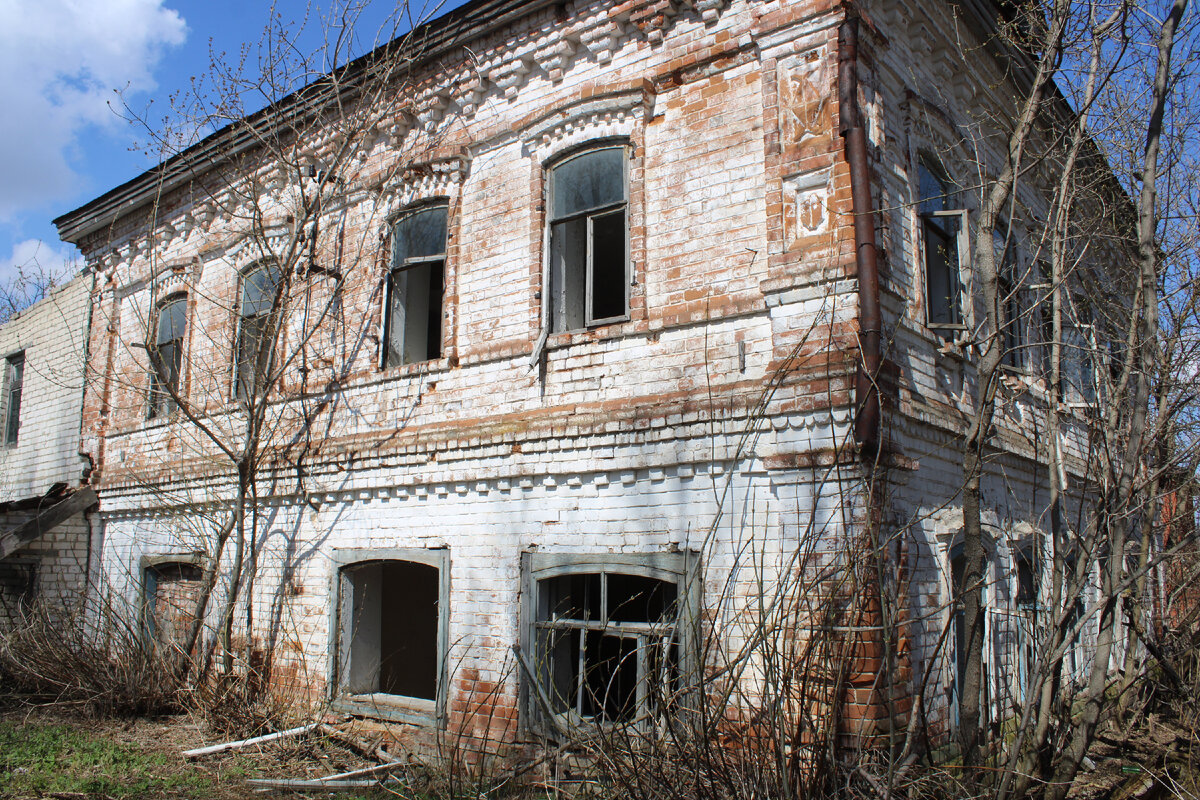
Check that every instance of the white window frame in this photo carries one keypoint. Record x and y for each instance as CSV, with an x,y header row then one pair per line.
x,y
378,705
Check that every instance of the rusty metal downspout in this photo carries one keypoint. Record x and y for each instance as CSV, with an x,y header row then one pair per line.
x,y
866,384
866,388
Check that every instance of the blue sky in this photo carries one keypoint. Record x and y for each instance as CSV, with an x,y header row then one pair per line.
x,y
61,141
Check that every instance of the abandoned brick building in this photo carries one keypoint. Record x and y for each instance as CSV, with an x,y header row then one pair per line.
x,y
569,355
45,534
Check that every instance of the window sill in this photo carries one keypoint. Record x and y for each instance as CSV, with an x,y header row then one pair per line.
x,y
599,333
391,707
417,368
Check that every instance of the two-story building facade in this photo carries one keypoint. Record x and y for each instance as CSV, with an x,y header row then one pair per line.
x,y
573,366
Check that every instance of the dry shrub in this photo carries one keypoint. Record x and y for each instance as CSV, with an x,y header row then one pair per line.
x,y
97,662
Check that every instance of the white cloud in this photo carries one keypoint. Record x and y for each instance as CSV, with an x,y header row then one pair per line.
x,y
61,61
33,258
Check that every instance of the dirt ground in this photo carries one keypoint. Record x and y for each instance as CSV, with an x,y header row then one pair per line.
x,y
58,753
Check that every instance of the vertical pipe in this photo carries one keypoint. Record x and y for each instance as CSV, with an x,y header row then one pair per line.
x,y
866,389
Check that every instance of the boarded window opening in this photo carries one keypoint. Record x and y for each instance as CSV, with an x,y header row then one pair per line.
x,y
171,591
391,626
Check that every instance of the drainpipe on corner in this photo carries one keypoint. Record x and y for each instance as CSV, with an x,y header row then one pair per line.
x,y
866,388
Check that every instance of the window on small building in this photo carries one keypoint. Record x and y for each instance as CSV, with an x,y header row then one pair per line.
x,y
14,378
942,225
18,582
1012,339
166,356
255,345
415,287
608,639
589,251
391,623
170,590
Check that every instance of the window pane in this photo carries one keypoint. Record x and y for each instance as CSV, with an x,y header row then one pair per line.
x,y
611,680
633,598
934,193
258,290
421,234
608,266
15,378
568,268
941,268
254,356
570,597
172,320
587,181
414,323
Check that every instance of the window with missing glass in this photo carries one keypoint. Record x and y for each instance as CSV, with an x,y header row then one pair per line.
x,y
166,355
14,380
589,247
609,637
415,287
255,345
1008,290
943,224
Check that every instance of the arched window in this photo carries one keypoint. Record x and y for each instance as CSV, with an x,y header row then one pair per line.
x,y
166,355
255,340
390,622
609,636
416,284
589,248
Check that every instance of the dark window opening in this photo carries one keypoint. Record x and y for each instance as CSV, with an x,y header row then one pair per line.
x,y
14,379
1012,339
607,644
391,629
589,252
941,225
166,356
255,345
18,583
415,288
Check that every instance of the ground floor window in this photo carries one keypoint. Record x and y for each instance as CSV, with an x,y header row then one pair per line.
x,y
170,589
18,581
609,636
391,631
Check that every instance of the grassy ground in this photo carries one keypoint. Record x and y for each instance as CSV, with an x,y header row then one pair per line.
x,y
50,753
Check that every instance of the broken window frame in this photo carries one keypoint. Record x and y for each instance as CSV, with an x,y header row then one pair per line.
x,y
389,356
679,568
264,355
555,302
166,372
394,707
939,219
14,382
